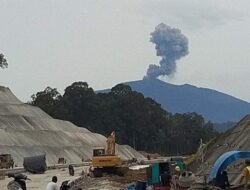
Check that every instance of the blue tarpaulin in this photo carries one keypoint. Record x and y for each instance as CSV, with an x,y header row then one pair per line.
x,y
224,160
35,164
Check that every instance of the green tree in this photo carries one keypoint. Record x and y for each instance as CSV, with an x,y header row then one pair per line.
x,y
138,121
121,90
78,100
48,100
3,61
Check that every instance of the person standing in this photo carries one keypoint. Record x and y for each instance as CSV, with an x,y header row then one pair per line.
x,y
166,180
53,184
246,175
71,170
222,180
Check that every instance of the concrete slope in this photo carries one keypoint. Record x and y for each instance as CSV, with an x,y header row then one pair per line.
x,y
26,130
7,97
237,138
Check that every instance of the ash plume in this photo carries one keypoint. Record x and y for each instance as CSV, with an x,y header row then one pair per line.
x,y
171,45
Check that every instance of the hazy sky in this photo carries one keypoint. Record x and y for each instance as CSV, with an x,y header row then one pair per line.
x,y
105,42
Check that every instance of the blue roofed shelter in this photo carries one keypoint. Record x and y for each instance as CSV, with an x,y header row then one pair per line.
x,y
225,160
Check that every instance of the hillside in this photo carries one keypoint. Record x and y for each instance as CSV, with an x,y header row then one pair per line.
x,y
26,130
236,138
213,105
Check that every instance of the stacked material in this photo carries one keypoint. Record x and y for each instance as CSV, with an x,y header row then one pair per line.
x,y
26,130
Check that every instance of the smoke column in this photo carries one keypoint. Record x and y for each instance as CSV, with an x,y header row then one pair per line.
x,y
171,45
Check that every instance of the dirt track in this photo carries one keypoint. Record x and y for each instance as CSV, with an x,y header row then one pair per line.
x,y
110,182
39,181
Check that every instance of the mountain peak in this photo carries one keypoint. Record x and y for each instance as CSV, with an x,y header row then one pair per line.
x,y
213,105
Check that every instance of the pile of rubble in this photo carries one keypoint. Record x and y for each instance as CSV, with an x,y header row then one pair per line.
x,y
114,182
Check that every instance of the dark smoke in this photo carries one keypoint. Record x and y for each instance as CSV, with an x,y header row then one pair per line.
x,y
171,45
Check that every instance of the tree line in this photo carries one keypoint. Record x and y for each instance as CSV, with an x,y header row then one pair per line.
x,y
3,61
138,121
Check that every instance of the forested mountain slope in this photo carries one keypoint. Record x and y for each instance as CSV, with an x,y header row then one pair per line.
x,y
212,105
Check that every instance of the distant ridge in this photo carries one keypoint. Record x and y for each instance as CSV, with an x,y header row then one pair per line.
x,y
213,105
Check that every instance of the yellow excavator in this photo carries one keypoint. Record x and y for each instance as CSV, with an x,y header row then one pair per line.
x,y
105,160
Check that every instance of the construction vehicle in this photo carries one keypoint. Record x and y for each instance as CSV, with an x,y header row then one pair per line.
x,y
105,160
6,161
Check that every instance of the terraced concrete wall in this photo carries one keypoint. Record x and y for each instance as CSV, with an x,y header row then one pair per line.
x,y
26,130
236,138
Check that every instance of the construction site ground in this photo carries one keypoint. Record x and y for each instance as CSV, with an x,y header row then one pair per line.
x,y
39,181
114,182
107,182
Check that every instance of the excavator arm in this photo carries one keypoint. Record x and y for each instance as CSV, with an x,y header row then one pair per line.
x,y
110,149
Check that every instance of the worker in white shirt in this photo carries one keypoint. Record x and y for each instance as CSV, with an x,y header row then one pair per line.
x,y
53,184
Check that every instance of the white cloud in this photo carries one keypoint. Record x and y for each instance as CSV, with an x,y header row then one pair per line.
x,y
106,42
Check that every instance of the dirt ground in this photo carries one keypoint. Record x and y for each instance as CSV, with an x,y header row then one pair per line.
x,y
130,177
107,182
39,181
101,184
114,182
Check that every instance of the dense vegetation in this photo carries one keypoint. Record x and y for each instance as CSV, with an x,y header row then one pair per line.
x,y
138,121
3,61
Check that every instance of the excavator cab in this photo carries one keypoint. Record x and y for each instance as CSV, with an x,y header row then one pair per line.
x,y
98,152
